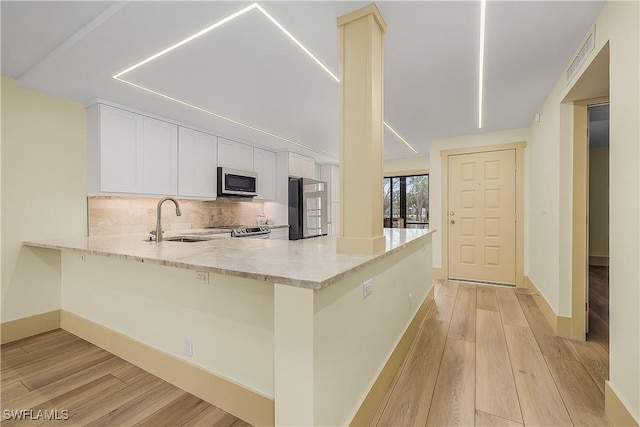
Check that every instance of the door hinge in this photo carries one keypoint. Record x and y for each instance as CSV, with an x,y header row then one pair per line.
x,y
586,306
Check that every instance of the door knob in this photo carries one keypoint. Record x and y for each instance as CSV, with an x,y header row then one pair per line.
x,y
453,221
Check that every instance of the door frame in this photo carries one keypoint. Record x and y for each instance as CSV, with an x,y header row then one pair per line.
x,y
580,217
519,149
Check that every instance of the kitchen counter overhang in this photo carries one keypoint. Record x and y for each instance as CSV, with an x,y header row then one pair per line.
x,y
310,263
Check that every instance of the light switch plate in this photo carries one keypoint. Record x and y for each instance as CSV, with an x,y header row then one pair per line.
x,y
367,288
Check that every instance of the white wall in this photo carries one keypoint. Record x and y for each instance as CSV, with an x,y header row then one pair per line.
x,y
551,183
436,180
43,194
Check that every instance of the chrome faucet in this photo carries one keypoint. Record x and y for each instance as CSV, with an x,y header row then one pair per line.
x,y
159,214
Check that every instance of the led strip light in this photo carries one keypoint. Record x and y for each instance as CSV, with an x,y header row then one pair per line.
x,y
483,18
204,31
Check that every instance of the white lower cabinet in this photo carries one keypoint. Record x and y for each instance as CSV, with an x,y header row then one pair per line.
x,y
280,233
264,164
197,164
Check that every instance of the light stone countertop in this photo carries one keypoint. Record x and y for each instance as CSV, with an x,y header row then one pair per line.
x,y
310,263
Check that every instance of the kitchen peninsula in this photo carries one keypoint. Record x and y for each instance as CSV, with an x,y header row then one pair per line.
x,y
278,331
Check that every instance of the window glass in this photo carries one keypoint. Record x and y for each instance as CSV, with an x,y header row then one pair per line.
x,y
386,190
406,201
395,202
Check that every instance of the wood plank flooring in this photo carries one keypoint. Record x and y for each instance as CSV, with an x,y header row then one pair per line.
x,y
599,306
59,371
485,356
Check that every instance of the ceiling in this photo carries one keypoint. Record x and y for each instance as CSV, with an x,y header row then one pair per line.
x,y
248,70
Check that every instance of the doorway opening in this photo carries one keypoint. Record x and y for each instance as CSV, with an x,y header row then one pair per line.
x,y
597,322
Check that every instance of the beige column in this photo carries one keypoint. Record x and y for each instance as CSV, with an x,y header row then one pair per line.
x,y
361,130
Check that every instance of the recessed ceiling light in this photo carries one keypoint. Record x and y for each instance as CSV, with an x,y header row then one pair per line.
x,y
237,122
483,15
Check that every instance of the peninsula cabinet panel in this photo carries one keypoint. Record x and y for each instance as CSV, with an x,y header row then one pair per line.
x,y
197,160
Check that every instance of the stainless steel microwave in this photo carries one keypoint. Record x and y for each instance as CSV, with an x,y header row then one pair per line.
x,y
237,183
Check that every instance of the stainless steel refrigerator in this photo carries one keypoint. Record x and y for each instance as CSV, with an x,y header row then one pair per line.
x,y
308,206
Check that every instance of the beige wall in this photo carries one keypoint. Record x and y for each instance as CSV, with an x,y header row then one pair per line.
x,y
43,194
436,181
406,166
234,326
550,169
230,320
343,349
599,201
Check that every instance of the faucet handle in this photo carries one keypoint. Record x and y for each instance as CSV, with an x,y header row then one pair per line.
x,y
153,232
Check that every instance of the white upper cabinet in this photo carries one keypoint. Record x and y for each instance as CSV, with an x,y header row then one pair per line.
x,y
264,164
131,153
118,148
160,157
301,166
235,155
197,164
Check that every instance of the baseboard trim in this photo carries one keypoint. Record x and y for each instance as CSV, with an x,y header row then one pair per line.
x,y
561,325
370,405
600,261
231,397
14,330
438,273
617,412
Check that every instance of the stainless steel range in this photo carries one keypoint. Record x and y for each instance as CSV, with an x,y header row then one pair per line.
x,y
254,232
240,231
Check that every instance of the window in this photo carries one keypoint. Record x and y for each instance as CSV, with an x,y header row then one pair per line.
x,y
406,201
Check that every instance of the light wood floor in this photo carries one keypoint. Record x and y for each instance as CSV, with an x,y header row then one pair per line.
x,y
599,305
59,371
486,356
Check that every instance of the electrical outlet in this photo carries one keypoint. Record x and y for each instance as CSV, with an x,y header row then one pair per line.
x,y
367,288
188,346
410,300
82,257
202,277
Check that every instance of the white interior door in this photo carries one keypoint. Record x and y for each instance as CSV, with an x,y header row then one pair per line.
x,y
481,216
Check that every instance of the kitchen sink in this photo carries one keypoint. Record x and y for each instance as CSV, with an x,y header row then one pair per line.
x,y
196,237
185,239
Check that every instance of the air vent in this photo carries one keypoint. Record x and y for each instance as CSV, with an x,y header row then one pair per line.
x,y
585,49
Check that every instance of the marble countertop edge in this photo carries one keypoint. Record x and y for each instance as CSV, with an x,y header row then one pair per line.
x,y
275,256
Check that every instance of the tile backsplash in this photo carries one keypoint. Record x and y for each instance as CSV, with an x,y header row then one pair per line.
x,y
122,215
